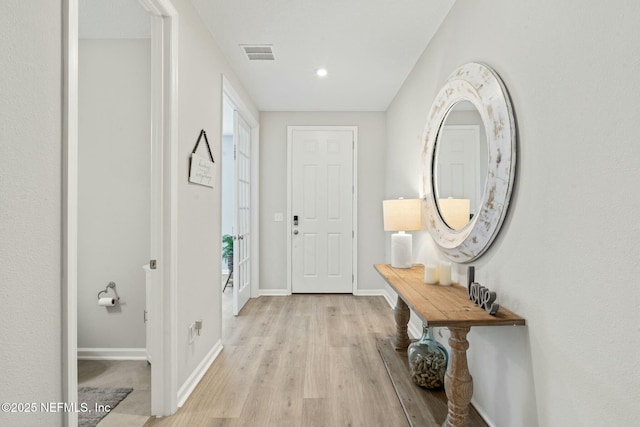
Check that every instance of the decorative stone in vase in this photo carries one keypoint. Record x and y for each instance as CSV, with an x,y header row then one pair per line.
x,y
427,361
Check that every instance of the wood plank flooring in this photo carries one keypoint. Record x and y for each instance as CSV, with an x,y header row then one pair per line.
x,y
302,360
424,408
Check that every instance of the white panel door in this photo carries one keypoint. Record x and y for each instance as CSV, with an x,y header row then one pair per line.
x,y
458,163
242,214
321,209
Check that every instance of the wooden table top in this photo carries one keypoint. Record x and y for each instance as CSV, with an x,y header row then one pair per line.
x,y
441,305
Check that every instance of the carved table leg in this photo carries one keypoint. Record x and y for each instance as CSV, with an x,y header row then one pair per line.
x,y
401,314
458,383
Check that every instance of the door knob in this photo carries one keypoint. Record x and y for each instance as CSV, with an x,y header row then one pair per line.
x,y
295,231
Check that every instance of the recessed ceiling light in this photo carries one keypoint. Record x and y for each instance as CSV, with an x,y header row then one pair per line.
x,y
321,72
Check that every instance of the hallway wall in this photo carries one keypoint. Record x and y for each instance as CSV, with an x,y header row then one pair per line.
x,y
201,67
566,257
30,207
30,191
114,151
273,192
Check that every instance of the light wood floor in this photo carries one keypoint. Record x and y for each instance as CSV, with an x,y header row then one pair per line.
x,y
302,360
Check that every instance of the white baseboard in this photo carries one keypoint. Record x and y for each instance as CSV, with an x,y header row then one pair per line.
x,y
482,413
391,299
112,354
274,293
389,295
190,384
358,292
370,293
414,328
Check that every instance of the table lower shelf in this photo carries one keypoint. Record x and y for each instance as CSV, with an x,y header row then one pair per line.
x,y
422,407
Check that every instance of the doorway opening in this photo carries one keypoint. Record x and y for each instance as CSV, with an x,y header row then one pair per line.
x,y
160,223
114,207
239,202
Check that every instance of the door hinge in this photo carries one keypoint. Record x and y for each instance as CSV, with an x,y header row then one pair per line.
x,y
153,264
352,279
234,151
353,233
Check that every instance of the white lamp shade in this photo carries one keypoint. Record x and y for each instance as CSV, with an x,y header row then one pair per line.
x,y
455,212
401,214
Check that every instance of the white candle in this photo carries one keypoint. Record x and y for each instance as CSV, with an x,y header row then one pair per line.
x,y
430,274
445,273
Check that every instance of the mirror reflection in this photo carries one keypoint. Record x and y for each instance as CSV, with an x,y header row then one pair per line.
x,y
461,159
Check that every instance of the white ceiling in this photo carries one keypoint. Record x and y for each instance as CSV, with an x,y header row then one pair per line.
x,y
368,46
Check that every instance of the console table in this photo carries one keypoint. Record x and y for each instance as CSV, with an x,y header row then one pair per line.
x,y
447,306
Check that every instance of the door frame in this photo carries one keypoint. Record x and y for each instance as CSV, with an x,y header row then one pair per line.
x,y
235,100
476,145
164,45
354,200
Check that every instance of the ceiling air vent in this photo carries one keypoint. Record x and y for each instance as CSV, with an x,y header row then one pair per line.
x,y
258,52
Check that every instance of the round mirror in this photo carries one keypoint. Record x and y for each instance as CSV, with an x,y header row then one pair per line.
x,y
460,165
466,199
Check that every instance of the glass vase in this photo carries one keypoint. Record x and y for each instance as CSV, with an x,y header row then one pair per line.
x,y
427,361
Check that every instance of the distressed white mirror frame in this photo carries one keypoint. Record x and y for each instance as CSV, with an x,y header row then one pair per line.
x,y
480,85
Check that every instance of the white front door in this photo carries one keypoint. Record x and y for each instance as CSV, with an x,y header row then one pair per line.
x,y
458,168
242,214
321,210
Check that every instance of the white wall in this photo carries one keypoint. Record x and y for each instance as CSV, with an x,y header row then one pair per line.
x,y
30,191
566,257
201,66
113,192
30,207
273,191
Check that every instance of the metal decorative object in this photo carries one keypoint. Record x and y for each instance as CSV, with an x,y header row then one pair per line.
x,y
481,295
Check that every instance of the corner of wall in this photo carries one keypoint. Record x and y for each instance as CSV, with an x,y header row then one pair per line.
x,y
190,384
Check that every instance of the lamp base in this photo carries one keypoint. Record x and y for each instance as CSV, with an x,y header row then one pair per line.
x,y
401,248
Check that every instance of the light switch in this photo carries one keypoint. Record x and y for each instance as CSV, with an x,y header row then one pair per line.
x,y
279,217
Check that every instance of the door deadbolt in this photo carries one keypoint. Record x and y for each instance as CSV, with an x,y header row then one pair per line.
x,y
295,220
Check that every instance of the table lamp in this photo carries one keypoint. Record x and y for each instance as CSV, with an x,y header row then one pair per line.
x,y
401,215
454,212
